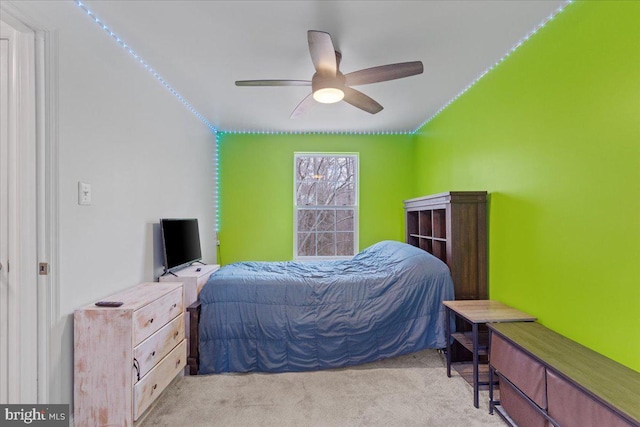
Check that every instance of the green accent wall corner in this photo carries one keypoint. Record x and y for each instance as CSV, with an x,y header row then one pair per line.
x,y
553,133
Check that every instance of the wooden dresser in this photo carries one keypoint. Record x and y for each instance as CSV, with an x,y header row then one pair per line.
x,y
124,357
547,379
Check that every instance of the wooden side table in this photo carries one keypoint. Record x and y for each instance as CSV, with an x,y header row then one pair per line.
x,y
193,278
476,312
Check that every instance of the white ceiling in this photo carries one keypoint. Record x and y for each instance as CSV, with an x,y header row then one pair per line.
x,y
201,47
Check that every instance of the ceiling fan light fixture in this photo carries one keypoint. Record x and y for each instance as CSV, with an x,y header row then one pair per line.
x,y
328,95
327,88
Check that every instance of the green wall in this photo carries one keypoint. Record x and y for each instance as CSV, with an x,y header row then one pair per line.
x,y
256,189
553,133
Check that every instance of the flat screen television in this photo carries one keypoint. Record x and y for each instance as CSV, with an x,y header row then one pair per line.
x,y
181,239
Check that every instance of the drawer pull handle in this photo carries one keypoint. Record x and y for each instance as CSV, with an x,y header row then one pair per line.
x,y
178,363
175,335
153,353
136,366
174,306
151,320
155,386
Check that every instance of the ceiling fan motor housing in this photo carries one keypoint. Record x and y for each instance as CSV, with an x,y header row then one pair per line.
x,y
331,86
320,81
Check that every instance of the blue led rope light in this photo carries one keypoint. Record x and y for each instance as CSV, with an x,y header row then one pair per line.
x,y
218,134
314,132
175,93
144,63
270,132
516,46
217,196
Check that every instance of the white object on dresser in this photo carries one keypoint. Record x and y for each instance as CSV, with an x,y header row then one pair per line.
x,y
124,357
193,279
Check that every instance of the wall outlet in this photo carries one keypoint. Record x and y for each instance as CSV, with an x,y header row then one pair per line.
x,y
84,194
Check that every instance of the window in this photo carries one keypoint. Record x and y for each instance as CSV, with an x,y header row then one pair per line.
x,y
326,201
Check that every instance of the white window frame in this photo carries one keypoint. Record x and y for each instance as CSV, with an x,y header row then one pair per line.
x,y
355,207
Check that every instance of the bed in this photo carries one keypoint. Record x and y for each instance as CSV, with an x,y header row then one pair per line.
x,y
301,316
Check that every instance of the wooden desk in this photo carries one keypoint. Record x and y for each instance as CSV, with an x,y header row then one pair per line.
x,y
476,312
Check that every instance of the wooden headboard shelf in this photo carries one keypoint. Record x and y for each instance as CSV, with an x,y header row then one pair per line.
x,y
453,227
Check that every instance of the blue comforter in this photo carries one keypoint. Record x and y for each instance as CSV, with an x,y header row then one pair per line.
x,y
299,316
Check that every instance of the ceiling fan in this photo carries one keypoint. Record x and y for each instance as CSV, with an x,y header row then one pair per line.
x,y
330,85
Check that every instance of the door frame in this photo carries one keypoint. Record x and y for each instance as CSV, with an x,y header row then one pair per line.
x,y
36,235
4,255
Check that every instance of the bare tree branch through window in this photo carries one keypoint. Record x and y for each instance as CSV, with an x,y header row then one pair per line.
x,y
326,205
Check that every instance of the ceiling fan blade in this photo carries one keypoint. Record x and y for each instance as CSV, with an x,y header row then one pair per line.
x,y
273,82
361,101
384,73
323,54
303,107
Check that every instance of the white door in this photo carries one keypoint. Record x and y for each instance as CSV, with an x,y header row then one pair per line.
x,y
4,226
18,276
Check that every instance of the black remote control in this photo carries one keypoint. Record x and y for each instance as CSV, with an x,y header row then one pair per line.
x,y
109,303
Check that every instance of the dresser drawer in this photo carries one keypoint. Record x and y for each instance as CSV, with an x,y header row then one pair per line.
x,y
158,345
155,315
570,406
151,385
523,371
520,409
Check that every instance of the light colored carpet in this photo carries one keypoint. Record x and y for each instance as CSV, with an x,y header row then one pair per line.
x,y
410,390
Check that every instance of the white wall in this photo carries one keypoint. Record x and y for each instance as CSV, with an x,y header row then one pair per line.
x,y
145,155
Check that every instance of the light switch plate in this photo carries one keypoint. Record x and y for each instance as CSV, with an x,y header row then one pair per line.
x,y
84,193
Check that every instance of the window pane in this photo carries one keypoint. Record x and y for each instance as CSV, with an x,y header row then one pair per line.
x,y
344,244
324,167
345,194
304,167
326,193
306,193
344,220
306,220
346,169
306,244
326,244
326,220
